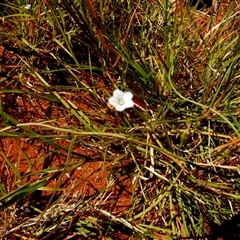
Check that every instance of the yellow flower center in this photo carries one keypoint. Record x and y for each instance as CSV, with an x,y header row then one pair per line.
x,y
121,102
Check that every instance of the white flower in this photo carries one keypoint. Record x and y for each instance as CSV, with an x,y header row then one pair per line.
x,y
121,100
28,6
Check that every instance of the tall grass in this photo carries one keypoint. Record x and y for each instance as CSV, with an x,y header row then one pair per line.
x,y
177,149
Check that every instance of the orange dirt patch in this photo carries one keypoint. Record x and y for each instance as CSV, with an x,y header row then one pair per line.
x,y
29,155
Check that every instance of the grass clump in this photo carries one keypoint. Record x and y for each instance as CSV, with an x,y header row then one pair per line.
x,y
68,159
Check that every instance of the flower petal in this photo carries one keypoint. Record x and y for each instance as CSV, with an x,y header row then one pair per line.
x,y
128,104
127,96
113,101
118,93
120,108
